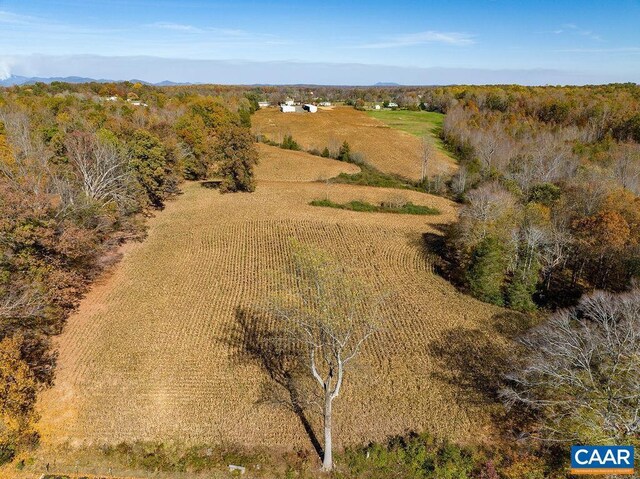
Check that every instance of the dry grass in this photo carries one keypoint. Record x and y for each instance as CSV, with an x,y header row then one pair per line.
x,y
288,165
390,150
149,355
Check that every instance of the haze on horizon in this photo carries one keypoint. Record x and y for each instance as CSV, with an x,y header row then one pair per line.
x,y
285,42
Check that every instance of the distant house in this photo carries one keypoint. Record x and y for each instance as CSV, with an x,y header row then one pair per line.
x,y
310,108
136,103
376,107
112,98
289,102
324,103
392,105
263,104
287,108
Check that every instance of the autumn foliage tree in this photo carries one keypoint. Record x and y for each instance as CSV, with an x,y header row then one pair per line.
x,y
238,157
77,175
18,388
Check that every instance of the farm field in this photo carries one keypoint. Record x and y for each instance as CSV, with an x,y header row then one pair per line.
x,y
150,353
418,123
388,148
288,165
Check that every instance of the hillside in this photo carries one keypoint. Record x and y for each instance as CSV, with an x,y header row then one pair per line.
x,y
149,355
389,149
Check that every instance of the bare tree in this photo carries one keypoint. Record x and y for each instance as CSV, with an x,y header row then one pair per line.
x,y
329,315
459,180
493,147
555,250
427,152
29,166
626,168
486,205
100,166
19,305
581,372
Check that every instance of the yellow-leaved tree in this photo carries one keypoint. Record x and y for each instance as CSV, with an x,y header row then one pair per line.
x,y
18,389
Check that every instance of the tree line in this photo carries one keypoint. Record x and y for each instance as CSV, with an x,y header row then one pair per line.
x,y
549,180
78,175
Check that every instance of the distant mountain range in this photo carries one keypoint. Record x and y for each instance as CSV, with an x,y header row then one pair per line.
x,y
21,80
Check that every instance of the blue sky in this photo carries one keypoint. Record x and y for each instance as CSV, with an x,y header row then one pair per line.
x,y
289,42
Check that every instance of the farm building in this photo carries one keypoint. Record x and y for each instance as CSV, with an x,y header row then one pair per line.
x,y
136,103
325,103
287,108
289,102
310,108
263,104
392,105
376,107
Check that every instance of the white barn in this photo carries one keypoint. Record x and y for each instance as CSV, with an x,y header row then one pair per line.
x,y
287,108
310,108
263,104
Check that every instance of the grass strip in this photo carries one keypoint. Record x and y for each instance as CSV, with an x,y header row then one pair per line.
x,y
362,206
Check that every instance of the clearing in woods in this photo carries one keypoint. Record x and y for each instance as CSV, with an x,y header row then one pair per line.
x,y
149,354
386,147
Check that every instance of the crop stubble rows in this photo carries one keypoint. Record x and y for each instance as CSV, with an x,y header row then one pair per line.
x,y
148,355
388,149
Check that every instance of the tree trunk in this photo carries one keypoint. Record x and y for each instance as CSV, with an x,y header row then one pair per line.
x,y
327,459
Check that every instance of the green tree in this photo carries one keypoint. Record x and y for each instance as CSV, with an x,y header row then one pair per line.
x,y
148,161
523,285
288,143
238,156
487,271
344,154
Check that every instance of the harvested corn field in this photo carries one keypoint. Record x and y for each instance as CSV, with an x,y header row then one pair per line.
x,y
388,149
150,354
288,165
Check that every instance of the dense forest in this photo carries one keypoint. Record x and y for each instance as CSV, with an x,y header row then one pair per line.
x,y
81,166
550,180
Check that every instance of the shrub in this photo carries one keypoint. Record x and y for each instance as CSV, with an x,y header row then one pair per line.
x,y
344,154
363,206
288,143
411,457
370,176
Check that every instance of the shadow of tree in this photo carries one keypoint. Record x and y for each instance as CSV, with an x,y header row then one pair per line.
x,y
256,341
212,184
434,245
475,362
513,324
472,362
